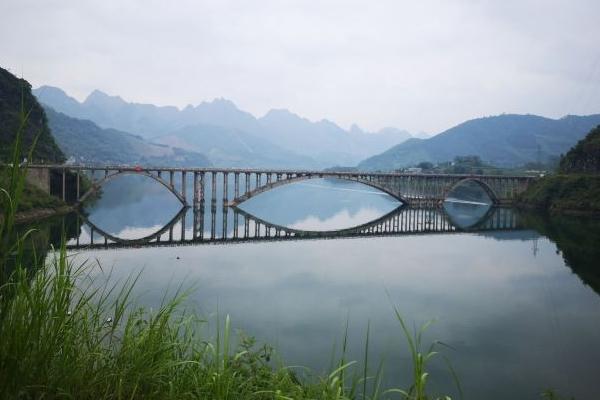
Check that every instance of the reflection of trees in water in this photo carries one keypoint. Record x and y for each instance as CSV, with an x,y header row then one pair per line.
x,y
44,235
577,239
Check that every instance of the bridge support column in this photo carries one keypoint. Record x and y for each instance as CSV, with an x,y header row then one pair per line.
x,y
213,181
183,227
236,184
235,224
213,220
171,177
225,189
201,193
196,197
199,220
247,186
224,224
183,185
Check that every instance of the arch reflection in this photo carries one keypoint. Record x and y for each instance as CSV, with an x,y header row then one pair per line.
x,y
221,225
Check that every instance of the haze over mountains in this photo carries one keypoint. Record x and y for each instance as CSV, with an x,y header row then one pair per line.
x,y
219,133
228,135
85,142
504,140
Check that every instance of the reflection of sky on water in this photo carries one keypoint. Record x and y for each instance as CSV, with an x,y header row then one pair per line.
x,y
518,323
321,204
137,205
518,319
340,220
131,202
465,215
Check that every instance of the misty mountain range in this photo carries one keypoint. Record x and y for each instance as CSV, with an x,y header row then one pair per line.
x,y
227,135
505,140
220,134
85,142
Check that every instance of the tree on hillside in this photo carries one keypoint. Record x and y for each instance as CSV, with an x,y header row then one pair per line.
x,y
584,157
15,98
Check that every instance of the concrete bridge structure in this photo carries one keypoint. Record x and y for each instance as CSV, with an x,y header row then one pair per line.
x,y
410,189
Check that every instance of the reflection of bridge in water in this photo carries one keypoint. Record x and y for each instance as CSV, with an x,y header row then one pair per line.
x,y
238,226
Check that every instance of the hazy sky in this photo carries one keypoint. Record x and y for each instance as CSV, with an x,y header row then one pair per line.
x,y
419,65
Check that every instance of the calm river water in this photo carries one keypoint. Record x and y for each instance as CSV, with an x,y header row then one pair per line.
x,y
519,307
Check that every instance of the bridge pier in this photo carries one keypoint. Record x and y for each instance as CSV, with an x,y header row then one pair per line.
x,y
195,198
183,227
225,189
213,181
183,183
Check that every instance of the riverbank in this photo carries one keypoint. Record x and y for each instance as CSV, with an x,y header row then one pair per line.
x,y
34,203
564,194
41,213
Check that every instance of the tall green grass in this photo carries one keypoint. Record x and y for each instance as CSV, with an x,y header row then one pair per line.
x,y
64,334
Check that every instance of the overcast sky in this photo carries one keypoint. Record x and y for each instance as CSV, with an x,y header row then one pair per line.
x,y
419,65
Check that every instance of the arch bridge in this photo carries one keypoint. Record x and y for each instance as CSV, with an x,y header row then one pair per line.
x,y
237,185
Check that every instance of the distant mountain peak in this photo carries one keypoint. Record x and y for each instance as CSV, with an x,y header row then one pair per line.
x,y
280,112
47,89
99,97
356,130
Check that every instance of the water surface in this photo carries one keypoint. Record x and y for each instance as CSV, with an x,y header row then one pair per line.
x,y
519,305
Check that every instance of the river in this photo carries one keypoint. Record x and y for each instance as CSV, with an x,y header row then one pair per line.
x,y
516,300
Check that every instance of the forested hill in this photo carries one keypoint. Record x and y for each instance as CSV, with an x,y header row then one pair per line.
x,y
584,158
503,140
15,96
576,186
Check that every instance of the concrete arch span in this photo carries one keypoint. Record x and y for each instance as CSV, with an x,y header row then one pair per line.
x,y
98,184
325,233
486,188
269,186
142,240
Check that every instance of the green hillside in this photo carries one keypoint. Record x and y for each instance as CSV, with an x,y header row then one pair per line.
x,y
584,158
15,96
505,140
576,188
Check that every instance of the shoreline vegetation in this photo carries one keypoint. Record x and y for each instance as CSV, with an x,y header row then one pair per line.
x,y
35,204
575,188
